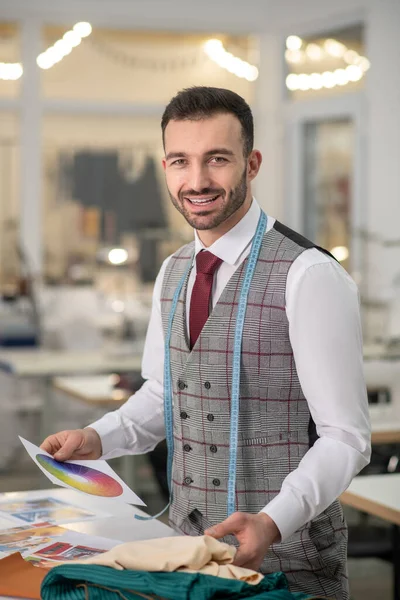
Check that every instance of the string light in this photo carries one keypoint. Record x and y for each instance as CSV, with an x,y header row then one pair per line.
x,y
356,67
53,54
216,51
71,39
10,71
327,79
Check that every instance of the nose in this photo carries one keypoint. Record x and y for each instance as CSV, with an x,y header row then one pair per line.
x,y
198,178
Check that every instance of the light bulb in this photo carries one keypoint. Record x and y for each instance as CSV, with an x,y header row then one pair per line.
x,y
340,77
334,48
83,29
314,52
213,47
341,253
72,38
118,256
54,55
354,73
316,81
63,47
364,64
351,57
294,56
10,71
292,82
293,42
328,79
303,82
44,61
252,73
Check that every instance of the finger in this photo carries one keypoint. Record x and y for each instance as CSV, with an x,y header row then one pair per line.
x,y
242,558
73,442
218,531
50,444
247,560
232,524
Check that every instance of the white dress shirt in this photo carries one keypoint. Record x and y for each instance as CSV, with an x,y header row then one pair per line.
x,y
322,307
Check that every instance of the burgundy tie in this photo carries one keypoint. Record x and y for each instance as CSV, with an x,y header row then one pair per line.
x,y
206,264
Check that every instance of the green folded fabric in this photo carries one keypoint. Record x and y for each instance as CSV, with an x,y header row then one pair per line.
x,y
95,582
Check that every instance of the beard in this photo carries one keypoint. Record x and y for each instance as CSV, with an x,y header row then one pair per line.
x,y
231,203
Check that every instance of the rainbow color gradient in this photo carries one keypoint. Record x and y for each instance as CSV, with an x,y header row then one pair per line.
x,y
81,477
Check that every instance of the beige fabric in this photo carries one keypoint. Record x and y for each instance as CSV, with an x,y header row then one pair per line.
x,y
202,554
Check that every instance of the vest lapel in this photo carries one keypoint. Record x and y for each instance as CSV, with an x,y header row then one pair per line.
x,y
182,314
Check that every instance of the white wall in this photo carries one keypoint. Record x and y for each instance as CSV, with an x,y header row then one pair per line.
x,y
187,15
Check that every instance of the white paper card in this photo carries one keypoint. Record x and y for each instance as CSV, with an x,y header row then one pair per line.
x,y
91,477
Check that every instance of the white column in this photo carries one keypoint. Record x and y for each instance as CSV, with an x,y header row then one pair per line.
x,y
269,125
31,151
383,172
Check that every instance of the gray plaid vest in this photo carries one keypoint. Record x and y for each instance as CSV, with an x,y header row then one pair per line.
x,y
275,426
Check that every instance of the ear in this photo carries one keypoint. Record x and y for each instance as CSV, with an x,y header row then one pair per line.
x,y
164,164
253,164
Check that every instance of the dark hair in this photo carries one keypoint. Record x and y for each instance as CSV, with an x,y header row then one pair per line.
x,y
201,102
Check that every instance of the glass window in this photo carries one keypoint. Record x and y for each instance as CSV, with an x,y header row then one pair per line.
x,y
10,65
325,64
328,169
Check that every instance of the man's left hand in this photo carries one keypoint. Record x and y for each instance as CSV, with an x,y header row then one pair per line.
x,y
255,534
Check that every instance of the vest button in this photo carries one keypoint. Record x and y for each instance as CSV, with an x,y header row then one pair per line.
x,y
210,417
216,482
213,449
184,414
187,448
187,481
181,385
207,385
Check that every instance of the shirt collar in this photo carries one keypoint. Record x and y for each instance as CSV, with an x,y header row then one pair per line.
x,y
230,246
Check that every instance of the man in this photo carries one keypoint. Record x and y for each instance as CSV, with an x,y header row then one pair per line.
x,y
303,429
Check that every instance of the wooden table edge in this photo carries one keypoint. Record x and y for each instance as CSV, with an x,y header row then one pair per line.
x,y
371,507
100,401
386,437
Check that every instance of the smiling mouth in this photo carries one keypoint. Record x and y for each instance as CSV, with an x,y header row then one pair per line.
x,y
202,201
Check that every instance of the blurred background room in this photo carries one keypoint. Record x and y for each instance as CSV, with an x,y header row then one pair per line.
x,y
86,220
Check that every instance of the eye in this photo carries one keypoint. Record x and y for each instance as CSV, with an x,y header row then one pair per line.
x,y
179,162
218,160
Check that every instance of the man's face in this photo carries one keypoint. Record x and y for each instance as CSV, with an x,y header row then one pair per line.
x,y
206,172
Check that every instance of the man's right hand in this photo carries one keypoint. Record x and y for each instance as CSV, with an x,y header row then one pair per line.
x,y
74,444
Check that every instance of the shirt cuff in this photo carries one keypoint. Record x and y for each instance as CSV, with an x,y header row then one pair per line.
x,y
112,435
286,512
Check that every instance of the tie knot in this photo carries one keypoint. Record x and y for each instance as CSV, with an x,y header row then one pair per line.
x,y
206,262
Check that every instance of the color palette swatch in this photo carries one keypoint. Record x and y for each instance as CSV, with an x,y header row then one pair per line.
x,y
81,477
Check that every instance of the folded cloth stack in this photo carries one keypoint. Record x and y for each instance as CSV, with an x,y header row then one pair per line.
x,y
176,568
